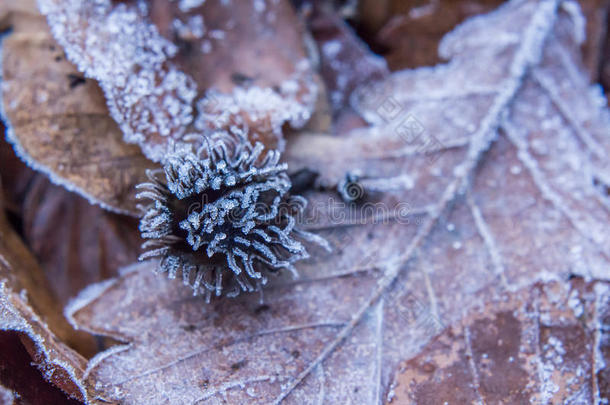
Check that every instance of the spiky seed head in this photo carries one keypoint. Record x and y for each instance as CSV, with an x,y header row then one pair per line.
x,y
223,218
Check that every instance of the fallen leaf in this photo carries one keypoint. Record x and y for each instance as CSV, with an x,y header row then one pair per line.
x,y
20,15
224,72
541,344
410,31
251,43
76,243
345,61
22,382
7,395
596,15
604,69
59,123
407,33
497,159
15,176
29,308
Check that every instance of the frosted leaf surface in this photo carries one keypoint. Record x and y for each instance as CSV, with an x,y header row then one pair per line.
x,y
527,347
58,121
158,63
501,201
248,61
147,95
7,395
27,308
345,61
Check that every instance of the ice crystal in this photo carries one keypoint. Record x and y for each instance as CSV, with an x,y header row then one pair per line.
x,y
187,5
224,217
193,28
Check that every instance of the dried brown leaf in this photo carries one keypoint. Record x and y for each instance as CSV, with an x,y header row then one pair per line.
x,y
171,69
541,343
410,31
29,308
249,43
22,383
497,159
20,15
76,243
15,176
59,123
345,61
596,13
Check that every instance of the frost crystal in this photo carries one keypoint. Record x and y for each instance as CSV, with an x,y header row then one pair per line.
x,y
223,217
193,28
187,5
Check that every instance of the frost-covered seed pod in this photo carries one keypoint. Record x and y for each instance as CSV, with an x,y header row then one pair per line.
x,y
225,219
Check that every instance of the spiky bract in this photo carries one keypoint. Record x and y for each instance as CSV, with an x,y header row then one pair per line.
x,y
225,220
